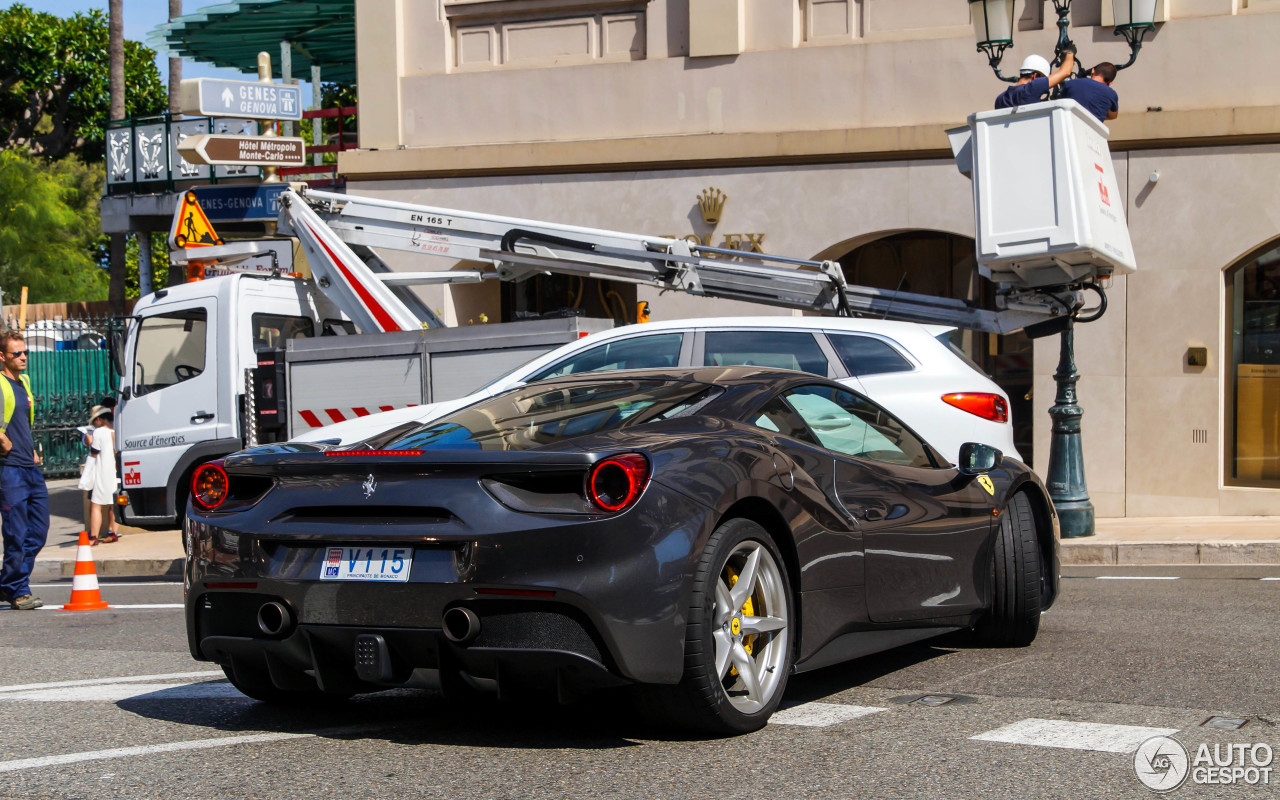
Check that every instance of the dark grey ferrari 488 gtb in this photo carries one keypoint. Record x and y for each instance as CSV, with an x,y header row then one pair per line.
x,y
699,533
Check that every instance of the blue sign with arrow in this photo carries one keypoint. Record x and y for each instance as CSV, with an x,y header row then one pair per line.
x,y
249,202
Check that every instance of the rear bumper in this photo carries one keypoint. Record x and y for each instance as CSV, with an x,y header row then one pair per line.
x,y
332,659
596,602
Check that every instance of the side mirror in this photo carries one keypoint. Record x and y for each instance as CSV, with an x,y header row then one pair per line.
x,y
976,458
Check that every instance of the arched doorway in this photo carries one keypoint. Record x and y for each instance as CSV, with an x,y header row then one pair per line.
x,y
943,264
1253,379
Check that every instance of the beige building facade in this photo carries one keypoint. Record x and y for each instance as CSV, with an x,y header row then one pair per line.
x,y
815,129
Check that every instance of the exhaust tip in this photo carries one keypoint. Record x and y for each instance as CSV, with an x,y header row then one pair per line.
x,y
274,619
461,625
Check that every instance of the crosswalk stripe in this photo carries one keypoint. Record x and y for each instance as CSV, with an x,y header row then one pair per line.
x,y
113,606
124,752
1074,735
172,747
116,692
24,687
1137,578
821,715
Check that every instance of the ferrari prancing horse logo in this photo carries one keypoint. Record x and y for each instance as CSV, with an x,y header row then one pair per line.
x,y
370,486
982,479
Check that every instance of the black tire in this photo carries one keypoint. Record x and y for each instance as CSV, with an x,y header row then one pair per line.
x,y
1014,617
256,683
707,699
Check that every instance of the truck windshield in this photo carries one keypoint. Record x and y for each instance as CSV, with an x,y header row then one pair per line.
x,y
538,415
170,350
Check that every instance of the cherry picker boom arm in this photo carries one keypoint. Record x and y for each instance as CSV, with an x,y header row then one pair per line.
x,y
332,227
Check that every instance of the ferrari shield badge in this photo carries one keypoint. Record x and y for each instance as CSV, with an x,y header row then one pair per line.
x,y
987,484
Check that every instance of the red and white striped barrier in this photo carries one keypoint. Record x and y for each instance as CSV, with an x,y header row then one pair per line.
x,y
313,418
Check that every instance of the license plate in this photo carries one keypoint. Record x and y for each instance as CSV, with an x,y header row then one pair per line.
x,y
367,564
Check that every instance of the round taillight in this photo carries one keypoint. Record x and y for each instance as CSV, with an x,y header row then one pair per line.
x,y
616,483
209,485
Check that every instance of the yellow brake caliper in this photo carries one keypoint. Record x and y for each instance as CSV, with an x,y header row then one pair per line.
x,y
748,608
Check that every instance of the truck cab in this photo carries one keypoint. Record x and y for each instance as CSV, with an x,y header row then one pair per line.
x,y
183,379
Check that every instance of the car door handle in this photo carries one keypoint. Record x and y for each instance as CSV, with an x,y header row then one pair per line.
x,y
873,514
201,416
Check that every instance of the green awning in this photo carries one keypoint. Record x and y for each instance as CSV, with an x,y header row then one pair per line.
x,y
321,32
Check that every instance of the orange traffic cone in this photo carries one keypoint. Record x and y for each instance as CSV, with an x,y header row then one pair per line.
x,y
84,584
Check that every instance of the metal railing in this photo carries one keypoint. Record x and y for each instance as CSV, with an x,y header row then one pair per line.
x,y
340,143
70,370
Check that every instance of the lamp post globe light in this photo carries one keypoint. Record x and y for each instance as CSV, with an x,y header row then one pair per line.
x,y
993,29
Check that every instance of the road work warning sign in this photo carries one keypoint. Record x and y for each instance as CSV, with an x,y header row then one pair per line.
x,y
191,227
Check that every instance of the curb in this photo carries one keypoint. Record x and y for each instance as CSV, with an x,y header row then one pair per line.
x,y
58,569
1076,554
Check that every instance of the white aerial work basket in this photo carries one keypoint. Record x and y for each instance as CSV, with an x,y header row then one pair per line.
x,y
1047,207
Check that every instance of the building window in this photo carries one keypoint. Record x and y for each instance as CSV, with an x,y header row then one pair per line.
x,y
1253,294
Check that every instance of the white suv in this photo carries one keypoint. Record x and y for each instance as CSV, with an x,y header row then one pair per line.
x,y
909,368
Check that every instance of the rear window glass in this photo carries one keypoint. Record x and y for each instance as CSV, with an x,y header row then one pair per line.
x,y
544,414
865,355
798,351
951,340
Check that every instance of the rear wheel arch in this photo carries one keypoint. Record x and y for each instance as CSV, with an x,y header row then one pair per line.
x,y
766,515
1042,513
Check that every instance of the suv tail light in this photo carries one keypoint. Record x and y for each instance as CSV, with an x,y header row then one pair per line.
x,y
983,404
615,483
210,485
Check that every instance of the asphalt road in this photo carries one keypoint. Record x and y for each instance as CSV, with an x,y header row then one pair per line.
x,y
1116,661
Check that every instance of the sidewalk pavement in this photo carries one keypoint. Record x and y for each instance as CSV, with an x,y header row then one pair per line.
x,y
1118,542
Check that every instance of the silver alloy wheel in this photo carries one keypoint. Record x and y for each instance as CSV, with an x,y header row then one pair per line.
x,y
751,627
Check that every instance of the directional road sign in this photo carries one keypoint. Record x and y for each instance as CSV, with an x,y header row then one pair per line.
x,y
222,148
241,202
215,97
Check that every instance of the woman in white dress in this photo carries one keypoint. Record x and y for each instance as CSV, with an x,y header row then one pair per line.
x,y
103,494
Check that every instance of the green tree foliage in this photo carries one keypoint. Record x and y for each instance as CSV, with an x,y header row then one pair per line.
x,y
49,228
54,82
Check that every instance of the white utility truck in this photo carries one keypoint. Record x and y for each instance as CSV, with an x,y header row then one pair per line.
x,y
277,347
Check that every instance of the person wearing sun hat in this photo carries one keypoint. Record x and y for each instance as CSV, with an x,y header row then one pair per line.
x,y
102,495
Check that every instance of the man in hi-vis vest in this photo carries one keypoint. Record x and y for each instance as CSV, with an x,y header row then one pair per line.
x,y
24,498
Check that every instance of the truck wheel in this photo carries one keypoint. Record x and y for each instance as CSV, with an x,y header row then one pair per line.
x,y
1014,617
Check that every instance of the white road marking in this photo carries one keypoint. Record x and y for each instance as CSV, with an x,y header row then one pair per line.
x,y
115,692
1137,578
143,750
1269,579
1075,735
107,585
172,747
821,715
125,679
113,606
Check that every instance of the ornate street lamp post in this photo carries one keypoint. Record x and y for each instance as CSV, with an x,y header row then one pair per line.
x,y
993,29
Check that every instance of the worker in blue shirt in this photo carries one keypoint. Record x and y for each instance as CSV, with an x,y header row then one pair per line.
x,y
24,499
1035,79
1095,93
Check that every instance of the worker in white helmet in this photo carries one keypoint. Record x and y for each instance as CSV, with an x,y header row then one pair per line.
x,y
1036,78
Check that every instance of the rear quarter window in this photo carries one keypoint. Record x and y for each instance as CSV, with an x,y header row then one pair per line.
x,y
867,355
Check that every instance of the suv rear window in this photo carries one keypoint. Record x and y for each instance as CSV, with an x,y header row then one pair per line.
x,y
543,413
866,355
950,340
